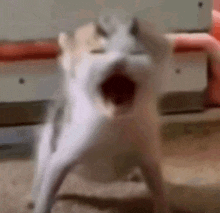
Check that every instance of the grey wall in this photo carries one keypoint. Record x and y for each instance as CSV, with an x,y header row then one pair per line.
x,y
34,19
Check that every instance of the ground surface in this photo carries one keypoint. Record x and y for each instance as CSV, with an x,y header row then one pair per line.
x,y
191,168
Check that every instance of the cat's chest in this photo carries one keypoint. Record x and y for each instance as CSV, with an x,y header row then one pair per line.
x,y
112,156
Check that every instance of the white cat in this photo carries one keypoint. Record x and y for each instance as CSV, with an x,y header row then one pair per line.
x,y
108,111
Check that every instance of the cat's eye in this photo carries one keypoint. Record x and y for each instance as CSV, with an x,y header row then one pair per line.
x,y
97,51
101,31
138,52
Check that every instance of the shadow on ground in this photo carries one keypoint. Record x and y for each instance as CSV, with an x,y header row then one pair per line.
x,y
134,205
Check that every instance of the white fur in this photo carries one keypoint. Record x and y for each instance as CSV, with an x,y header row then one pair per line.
x,y
100,134
84,40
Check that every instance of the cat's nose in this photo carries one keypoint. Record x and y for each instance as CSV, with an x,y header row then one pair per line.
x,y
119,67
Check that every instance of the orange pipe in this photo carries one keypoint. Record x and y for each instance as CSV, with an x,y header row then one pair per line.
x,y
214,82
28,50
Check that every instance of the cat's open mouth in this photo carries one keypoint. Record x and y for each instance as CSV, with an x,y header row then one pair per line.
x,y
118,88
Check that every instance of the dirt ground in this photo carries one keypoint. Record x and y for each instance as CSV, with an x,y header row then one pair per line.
x,y
191,168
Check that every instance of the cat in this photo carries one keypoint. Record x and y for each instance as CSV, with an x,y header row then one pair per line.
x,y
108,111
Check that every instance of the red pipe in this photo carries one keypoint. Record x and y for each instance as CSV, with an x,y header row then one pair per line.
x,y
28,50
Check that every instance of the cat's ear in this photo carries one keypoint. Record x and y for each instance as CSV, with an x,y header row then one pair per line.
x,y
106,24
62,39
153,40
